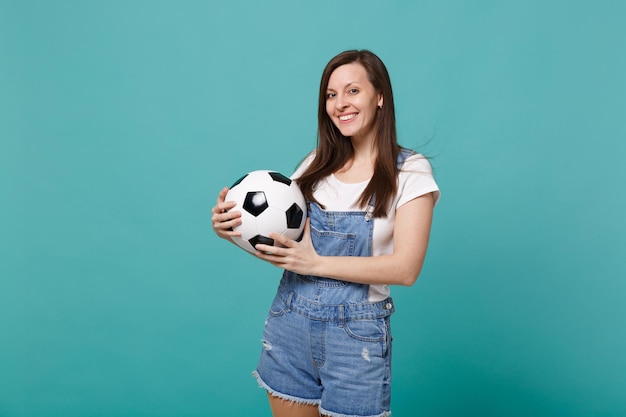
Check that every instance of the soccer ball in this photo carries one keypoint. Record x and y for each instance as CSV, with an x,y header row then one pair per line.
x,y
269,202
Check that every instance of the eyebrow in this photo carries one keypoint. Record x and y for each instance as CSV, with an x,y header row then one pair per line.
x,y
347,85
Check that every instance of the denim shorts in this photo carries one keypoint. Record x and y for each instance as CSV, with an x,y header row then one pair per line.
x,y
334,356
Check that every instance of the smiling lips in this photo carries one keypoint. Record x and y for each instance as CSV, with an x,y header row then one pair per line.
x,y
347,117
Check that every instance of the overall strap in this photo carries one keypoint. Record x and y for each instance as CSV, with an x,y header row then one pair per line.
x,y
403,155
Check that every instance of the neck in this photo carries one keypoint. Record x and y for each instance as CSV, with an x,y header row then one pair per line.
x,y
364,150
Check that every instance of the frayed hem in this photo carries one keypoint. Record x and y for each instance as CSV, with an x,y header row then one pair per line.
x,y
290,398
327,413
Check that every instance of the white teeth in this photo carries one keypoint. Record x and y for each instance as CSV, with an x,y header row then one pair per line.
x,y
347,117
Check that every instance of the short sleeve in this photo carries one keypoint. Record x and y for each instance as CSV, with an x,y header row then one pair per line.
x,y
303,166
416,179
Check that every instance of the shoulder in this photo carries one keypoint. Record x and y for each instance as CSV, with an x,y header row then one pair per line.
x,y
415,179
416,163
303,165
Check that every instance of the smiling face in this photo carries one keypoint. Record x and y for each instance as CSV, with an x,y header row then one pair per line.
x,y
352,101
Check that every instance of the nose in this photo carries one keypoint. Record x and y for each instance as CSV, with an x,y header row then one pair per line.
x,y
341,102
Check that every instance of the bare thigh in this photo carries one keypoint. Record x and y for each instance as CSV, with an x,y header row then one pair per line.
x,y
286,408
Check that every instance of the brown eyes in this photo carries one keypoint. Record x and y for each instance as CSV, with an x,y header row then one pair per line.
x,y
351,91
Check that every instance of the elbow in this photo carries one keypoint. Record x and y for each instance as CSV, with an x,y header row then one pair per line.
x,y
408,281
409,277
412,267
406,269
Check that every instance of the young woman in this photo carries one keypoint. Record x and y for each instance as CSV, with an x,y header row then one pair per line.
x,y
327,340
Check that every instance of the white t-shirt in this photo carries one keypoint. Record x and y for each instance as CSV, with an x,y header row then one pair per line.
x,y
415,179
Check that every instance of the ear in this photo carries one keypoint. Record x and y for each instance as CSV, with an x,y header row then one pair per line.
x,y
380,101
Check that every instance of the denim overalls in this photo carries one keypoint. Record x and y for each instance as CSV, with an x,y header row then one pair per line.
x,y
324,342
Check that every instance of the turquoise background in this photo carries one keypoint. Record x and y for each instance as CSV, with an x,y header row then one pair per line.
x,y
121,120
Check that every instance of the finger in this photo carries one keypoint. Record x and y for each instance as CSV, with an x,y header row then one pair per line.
x,y
223,230
227,224
221,205
225,208
231,233
273,259
283,240
266,250
221,217
222,195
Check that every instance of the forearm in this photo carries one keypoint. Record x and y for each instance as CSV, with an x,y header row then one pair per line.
x,y
372,270
401,267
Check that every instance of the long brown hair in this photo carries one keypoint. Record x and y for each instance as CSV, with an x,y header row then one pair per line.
x,y
334,149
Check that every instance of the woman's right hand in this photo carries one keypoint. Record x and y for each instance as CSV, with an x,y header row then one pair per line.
x,y
224,220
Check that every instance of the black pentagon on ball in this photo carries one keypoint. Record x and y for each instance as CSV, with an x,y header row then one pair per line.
x,y
294,216
255,202
261,239
238,181
280,178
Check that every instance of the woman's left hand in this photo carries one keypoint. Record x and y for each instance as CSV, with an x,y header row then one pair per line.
x,y
299,257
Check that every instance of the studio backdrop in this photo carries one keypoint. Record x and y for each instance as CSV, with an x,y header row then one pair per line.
x,y
120,121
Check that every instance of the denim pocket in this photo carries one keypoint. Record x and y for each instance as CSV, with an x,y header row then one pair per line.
x,y
331,243
278,307
374,330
